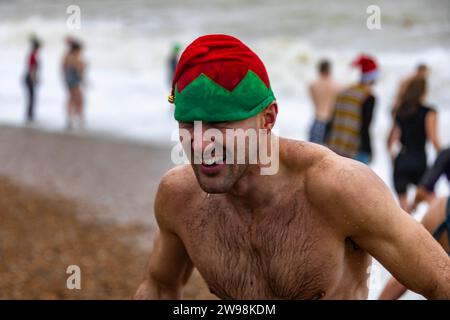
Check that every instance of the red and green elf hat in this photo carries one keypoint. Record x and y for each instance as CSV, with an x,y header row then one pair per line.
x,y
218,78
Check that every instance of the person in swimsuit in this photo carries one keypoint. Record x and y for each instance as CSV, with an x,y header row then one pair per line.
x,y
425,190
437,222
73,71
414,125
31,78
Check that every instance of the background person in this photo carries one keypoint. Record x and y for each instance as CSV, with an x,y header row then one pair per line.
x,y
323,93
414,125
31,77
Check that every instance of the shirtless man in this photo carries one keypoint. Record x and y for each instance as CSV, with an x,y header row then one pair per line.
x,y
323,93
306,232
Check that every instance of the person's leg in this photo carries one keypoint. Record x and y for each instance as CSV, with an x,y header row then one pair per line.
x,y
70,108
317,132
401,181
403,201
30,100
420,168
312,131
78,95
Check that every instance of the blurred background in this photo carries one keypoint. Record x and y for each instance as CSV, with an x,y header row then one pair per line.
x,y
109,171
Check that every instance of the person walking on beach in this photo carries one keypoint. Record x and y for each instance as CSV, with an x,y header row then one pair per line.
x,y
350,129
415,123
31,78
323,93
437,222
422,72
73,71
425,190
304,230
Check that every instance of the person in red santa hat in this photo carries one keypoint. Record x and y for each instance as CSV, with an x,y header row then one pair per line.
x,y
350,130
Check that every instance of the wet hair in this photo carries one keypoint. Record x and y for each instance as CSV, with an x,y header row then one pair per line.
x,y
422,67
75,46
35,43
411,97
324,66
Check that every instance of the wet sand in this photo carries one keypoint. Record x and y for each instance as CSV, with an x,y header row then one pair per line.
x,y
77,200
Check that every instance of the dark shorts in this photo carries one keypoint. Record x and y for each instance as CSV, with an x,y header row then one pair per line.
x,y
408,170
318,132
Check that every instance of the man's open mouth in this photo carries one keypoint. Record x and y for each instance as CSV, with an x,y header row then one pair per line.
x,y
213,161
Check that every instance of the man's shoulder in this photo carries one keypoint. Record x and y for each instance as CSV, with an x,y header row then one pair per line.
x,y
330,177
178,181
176,190
303,156
339,187
334,171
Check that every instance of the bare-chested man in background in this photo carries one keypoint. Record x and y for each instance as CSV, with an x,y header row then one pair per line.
x,y
306,232
323,93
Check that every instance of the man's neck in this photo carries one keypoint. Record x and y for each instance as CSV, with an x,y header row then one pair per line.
x,y
254,190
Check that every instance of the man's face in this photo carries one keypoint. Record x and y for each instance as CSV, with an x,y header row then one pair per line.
x,y
215,160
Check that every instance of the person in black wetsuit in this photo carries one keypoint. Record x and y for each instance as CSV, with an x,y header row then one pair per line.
x,y
415,124
425,190
437,222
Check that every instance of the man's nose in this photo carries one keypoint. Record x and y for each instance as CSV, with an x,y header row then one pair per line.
x,y
200,145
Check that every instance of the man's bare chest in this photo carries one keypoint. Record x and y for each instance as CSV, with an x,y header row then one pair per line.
x,y
282,253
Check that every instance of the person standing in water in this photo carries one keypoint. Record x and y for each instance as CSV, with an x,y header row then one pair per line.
x,y
350,130
31,78
73,70
323,93
414,125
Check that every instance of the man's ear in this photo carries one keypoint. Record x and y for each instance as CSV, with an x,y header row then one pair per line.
x,y
269,116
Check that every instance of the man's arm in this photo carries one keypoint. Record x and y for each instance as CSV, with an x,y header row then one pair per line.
x,y
362,207
432,219
393,290
169,267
